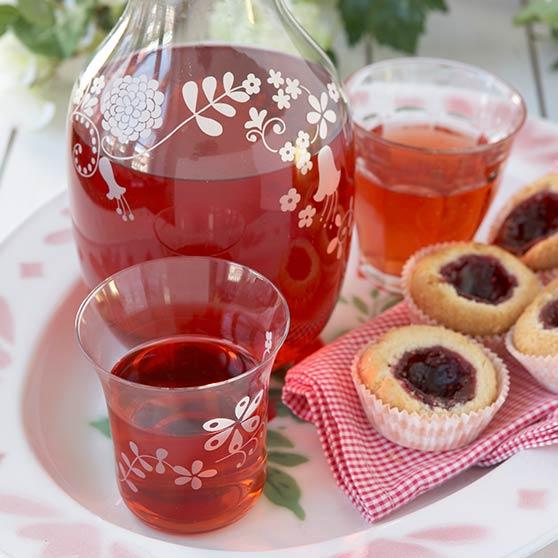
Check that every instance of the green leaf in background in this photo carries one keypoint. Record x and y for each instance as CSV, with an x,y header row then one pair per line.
x,y
8,14
61,40
283,490
391,302
102,425
286,459
37,12
394,23
360,305
543,11
278,440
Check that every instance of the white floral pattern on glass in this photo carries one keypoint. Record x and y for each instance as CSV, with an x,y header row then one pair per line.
x,y
245,422
303,160
333,92
303,140
290,200
282,100
275,78
306,216
287,152
97,85
131,108
344,225
257,118
321,115
252,84
88,104
194,475
140,464
293,88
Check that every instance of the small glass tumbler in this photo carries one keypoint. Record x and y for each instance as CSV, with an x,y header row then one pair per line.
x,y
188,459
430,139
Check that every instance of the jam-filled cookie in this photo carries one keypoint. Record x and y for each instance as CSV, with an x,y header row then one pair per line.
x,y
469,287
528,225
536,331
428,370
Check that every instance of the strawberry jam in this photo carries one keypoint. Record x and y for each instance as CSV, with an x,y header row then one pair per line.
x,y
479,278
437,376
549,315
529,222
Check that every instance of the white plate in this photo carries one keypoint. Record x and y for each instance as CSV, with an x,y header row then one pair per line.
x,y
58,493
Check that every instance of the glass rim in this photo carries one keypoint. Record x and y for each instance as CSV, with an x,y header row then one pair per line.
x,y
186,389
425,60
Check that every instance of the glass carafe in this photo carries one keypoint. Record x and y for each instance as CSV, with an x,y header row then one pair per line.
x,y
215,127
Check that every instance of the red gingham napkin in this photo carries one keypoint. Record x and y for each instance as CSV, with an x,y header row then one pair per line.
x,y
378,475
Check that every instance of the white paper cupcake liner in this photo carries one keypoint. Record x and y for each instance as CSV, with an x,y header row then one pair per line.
x,y
543,368
417,316
430,432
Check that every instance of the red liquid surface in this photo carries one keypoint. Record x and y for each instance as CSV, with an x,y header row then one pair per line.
x,y
193,172
166,474
408,198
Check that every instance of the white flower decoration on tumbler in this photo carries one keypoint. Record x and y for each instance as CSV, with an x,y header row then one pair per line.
x,y
287,152
289,201
321,115
194,475
252,84
282,99
306,217
275,78
131,108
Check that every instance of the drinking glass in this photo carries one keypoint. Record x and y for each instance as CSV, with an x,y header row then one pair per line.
x,y
188,459
431,137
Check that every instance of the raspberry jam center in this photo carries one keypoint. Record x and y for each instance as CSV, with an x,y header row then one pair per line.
x,y
532,220
480,278
549,315
436,376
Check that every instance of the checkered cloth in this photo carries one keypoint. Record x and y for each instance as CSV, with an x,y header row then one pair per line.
x,y
378,475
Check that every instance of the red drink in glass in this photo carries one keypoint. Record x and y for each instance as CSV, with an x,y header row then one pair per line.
x,y
282,166
399,189
183,347
160,472
431,137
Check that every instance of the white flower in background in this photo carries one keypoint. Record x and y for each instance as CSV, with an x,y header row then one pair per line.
x,y
193,476
20,98
321,115
303,140
333,92
289,201
287,152
293,88
131,108
275,79
97,85
282,99
306,217
252,84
